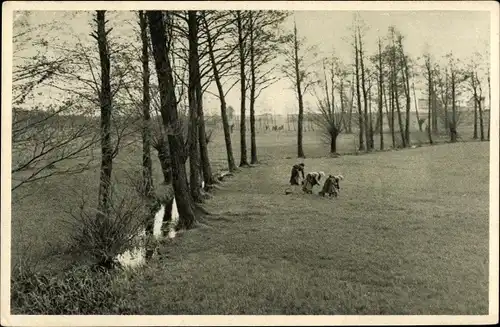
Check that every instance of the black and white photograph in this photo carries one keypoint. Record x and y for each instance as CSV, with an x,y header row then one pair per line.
x,y
219,163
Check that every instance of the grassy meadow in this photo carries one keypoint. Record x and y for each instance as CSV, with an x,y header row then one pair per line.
x,y
407,235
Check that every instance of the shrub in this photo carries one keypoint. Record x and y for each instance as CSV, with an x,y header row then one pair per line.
x,y
102,237
79,290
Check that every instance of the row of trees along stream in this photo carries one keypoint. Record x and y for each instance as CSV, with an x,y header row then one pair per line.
x,y
153,83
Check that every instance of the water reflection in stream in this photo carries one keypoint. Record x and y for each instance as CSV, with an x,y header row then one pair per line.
x,y
136,257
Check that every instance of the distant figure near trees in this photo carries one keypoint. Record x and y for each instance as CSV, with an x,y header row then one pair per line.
x,y
295,175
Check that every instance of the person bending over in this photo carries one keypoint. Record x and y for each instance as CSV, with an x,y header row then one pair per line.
x,y
297,170
312,179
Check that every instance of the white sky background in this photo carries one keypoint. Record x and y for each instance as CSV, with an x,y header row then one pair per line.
x,y
441,32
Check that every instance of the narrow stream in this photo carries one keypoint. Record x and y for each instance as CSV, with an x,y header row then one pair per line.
x,y
136,257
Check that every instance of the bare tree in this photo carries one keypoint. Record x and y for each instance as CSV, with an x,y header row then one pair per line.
x,y
389,105
161,52
220,23
351,107
105,99
453,126
457,77
299,73
44,137
429,75
380,69
330,117
364,81
265,38
31,71
241,21
395,85
443,86
405,69
193,130
41,139
185,33
358,91
477,96
147,170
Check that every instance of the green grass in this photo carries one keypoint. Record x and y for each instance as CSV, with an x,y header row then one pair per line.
x,y
408,235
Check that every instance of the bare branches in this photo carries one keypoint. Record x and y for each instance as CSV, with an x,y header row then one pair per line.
x,y
298,63
331,112
43,139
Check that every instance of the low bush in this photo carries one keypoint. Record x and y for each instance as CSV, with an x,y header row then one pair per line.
x,y
100,237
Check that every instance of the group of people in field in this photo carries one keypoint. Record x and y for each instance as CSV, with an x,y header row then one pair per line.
x,y
331,185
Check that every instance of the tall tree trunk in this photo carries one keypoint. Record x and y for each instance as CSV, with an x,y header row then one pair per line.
x,y
435,111
445,103
431,96
241,46
393,111
300,149
370,117
381,113
193,138
365,96
489,104
351,107
480,108
380,93
169,117
222,98
253,144
435,128
376,128
342,113
446,116
453,125
206,167
105,100
474,135
333,142
406,81
481,122
429,118
147,170
358,95
164,158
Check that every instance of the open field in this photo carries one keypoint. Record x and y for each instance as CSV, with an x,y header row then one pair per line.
x,y
408,234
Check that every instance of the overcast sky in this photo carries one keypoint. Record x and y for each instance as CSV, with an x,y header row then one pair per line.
x,y
440,32
460,32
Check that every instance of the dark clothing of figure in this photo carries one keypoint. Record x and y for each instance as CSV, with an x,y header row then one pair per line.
x,y
311,180
296,171
331,186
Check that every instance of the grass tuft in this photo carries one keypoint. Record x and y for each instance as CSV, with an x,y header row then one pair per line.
x,y
79,290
